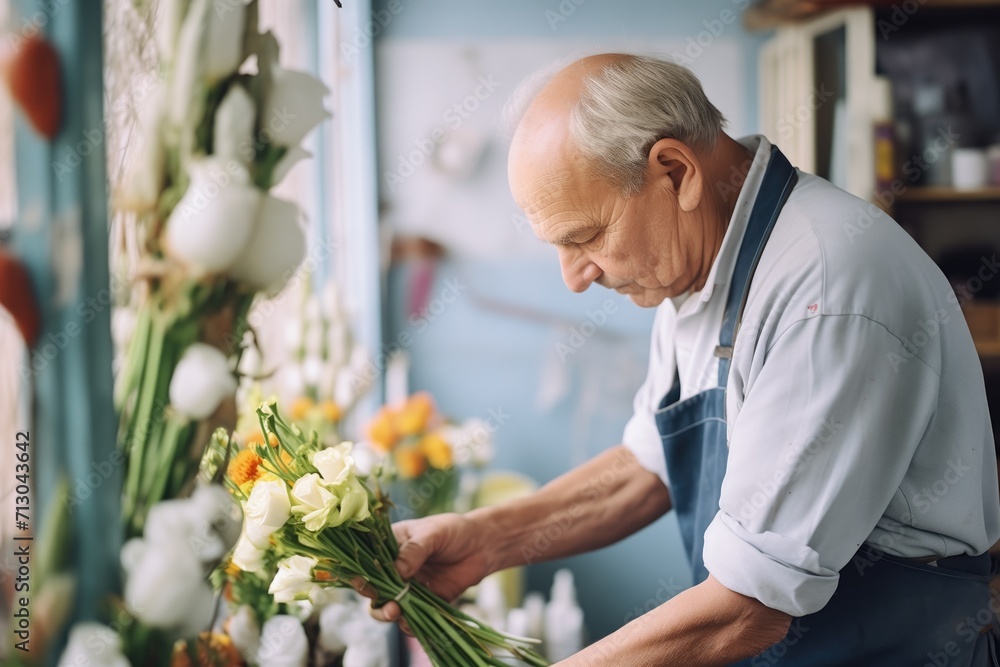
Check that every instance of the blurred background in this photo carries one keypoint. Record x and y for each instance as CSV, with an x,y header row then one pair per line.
x,y
444,286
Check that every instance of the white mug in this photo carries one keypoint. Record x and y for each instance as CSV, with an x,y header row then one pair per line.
x,y
969,168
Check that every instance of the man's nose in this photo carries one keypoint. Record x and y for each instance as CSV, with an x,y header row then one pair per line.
x,y
577,271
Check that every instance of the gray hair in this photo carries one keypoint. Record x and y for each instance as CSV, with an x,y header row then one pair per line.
x,y
627,107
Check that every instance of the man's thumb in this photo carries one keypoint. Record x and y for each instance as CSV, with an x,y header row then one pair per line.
x,y
411,558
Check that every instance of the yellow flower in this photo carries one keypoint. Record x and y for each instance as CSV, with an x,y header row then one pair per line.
x,y
437,450
331,411
257,438
245,467
381,431
411,462
414,415
301,407
210,650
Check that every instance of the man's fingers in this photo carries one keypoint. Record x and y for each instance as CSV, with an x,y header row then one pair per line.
x,y
389,612
411,558
361,585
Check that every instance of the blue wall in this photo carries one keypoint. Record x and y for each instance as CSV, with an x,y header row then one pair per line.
x,y
474,358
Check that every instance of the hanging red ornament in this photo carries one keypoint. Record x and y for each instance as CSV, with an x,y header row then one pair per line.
x,y
30,68
18,298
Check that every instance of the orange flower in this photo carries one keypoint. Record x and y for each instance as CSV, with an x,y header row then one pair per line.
x,y
437,450
257,438
211,650
323,575
331,411
411,462
301,407
381,431
245,467
412,418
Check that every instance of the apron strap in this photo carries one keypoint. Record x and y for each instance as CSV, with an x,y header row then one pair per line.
x,y
779,179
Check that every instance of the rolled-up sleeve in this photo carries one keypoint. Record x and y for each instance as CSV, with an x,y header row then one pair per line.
x,y
825,434
641,436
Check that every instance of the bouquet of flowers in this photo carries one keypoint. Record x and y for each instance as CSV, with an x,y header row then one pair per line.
x,y
309,505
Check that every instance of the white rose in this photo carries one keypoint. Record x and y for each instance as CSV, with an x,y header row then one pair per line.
x,y
294,107
283,643
334,463
294,580
166,585
93,644
244,630
234,125
276,247
246,556
211,226
267,510
313,500
201,382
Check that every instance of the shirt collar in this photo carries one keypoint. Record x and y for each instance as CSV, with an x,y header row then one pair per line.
x,y
722,268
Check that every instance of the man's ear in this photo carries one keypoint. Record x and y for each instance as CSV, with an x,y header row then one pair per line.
x,y
673,165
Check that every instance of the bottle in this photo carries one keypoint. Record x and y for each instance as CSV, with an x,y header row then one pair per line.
x,y
884,136
563,619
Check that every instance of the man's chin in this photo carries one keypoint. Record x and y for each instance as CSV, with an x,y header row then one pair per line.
x,y
646,299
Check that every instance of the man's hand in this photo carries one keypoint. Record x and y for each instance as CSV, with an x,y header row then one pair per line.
x,y
448,553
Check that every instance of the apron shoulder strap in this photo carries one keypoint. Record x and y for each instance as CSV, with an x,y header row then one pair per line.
x,y
779,180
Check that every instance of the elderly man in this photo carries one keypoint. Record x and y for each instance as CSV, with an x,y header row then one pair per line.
x,y
835,479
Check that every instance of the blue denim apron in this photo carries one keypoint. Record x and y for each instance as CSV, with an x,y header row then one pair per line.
x,y
886,611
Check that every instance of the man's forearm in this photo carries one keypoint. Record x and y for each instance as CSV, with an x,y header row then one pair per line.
x,y
704,626
592,506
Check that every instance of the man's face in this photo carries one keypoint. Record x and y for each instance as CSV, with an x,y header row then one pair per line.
x,y
631,245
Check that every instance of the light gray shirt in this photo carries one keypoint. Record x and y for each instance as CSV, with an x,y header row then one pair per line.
x,y
856,407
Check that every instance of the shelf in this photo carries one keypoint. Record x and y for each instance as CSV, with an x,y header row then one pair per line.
x,y
945,194
768,14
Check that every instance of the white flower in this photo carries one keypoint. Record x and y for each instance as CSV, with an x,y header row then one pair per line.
x,y
168,20
247,556
373,653
267,510
313,500
334,463
292,157
222,49
366,458
332,621
166,586
234,124
209,47
275,249
201,382
93,644
294,107
283,643
142,179
294,580
244,631
212,224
